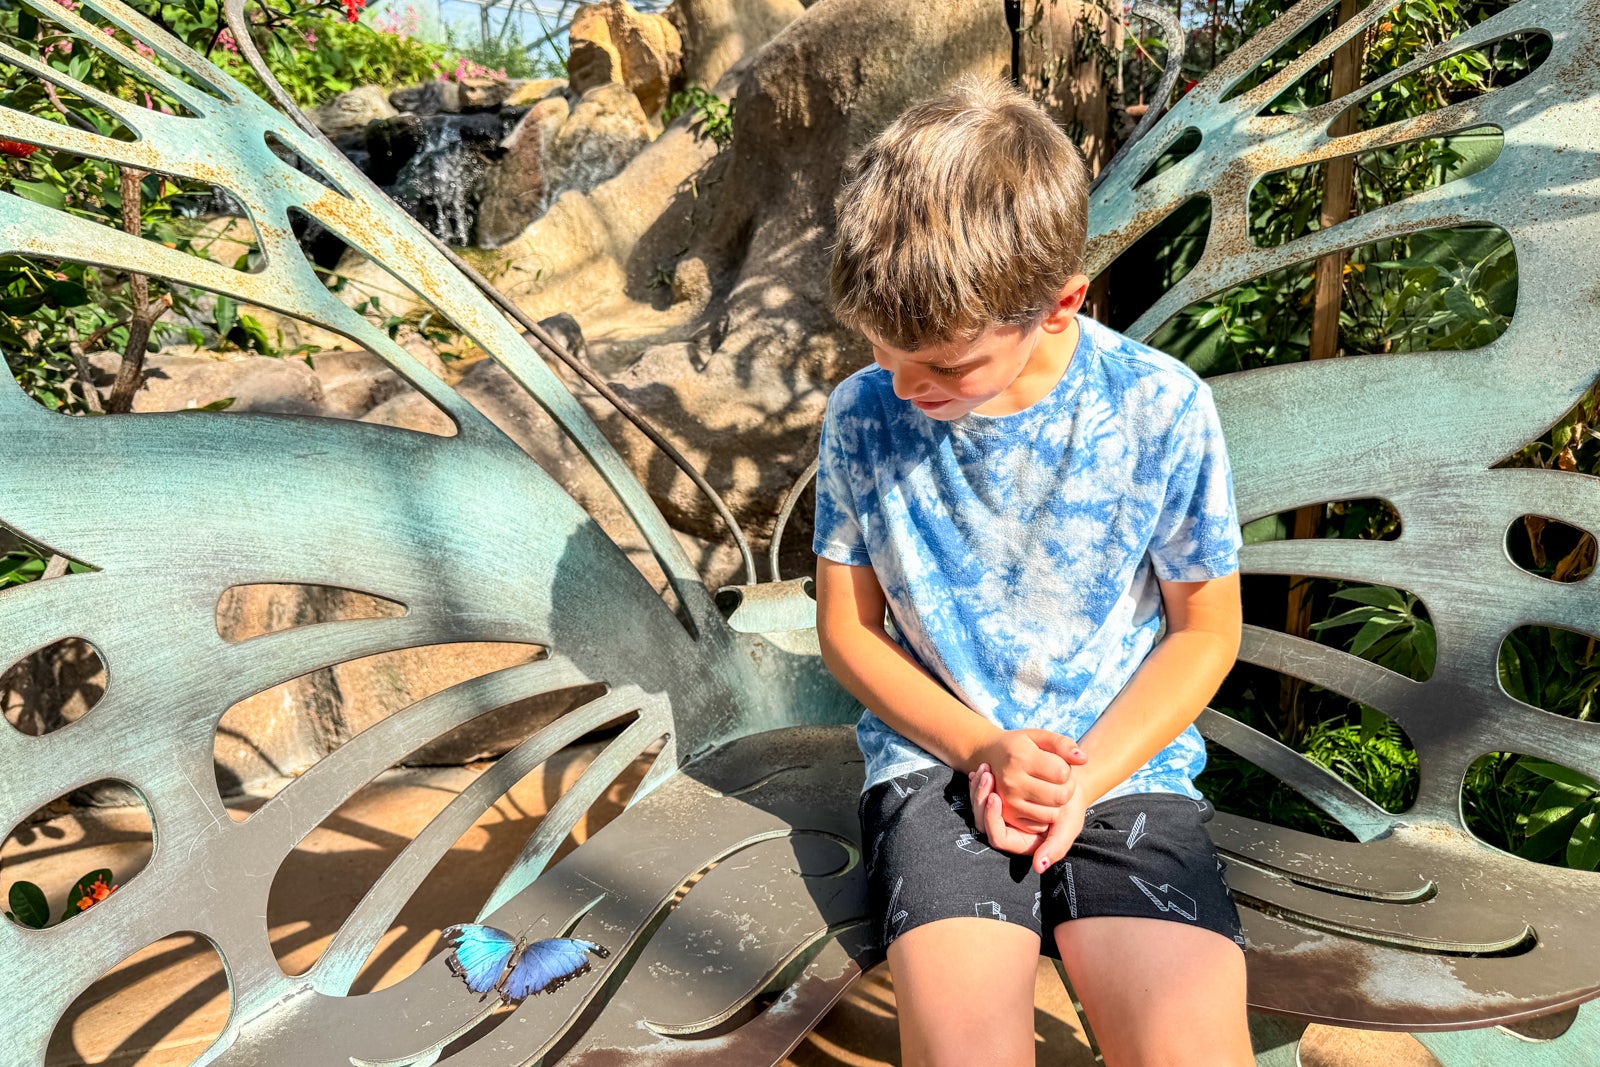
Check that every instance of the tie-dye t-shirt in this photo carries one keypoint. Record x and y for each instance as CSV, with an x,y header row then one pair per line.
x,y
1019,553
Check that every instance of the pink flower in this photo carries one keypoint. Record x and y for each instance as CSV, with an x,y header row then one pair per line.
x,y
225,39
70,5
144,49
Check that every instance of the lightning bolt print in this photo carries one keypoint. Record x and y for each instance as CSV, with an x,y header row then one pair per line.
x,y
1166,898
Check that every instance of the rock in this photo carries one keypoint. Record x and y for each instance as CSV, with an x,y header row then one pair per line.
x,y
613,43
514,186
412,411
354,382
691,281
739,383
528,93
485,94
606,129
256,383
717,33
566,331
351,111
429,98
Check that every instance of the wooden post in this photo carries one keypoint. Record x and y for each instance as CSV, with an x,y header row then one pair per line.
x,y
1338,195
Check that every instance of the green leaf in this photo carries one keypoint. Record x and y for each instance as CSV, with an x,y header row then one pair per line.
x,y
1557,773
67,294
1550,837
1426,641
1583,851
41,193
27,25
1370,633
1379,596
1350,618
226,315
1211,316
28,905
80,889
1270,528
217,405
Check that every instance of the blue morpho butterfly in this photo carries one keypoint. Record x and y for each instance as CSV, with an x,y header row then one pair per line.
x,y
490,960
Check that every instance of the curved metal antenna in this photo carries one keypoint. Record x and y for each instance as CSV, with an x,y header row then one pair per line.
x,y
234,12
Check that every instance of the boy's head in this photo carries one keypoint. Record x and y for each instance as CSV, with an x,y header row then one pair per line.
x,y
960,228
968,211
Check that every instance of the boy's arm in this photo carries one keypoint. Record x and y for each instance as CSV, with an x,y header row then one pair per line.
x,y
1032,765
1163,697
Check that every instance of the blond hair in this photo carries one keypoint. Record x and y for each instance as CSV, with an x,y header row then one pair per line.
x,y
968,211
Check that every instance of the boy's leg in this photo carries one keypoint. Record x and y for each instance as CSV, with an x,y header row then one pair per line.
x,y
964,991
1158,993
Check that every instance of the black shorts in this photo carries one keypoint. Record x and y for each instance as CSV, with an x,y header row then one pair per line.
x,y
1145,854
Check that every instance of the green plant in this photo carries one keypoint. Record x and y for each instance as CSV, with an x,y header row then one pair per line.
x,y
29,908
712,117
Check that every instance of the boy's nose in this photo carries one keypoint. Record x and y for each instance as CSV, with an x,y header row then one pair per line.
x,y
905,387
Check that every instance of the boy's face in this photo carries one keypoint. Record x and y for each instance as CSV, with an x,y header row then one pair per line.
x,y
1003,369
953,379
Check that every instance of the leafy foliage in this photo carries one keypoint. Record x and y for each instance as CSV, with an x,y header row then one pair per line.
x,y
712,118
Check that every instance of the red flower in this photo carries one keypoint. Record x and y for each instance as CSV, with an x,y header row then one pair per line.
x,y
17,150
95,894
352,8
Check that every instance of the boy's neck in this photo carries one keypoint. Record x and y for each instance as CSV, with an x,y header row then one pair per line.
x,y
1049,361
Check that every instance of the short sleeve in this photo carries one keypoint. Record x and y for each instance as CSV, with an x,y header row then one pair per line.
x,y
838,528
1197,534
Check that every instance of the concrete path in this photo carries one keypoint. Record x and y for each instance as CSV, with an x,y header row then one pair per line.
x,y
163,1006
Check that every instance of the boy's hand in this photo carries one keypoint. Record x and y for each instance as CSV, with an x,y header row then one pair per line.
x,y
1046,848
1032,772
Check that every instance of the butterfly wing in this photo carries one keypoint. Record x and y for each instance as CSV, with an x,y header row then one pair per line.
x,y
546,965
479,955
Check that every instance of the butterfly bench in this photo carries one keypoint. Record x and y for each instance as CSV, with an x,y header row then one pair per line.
x,y
730,891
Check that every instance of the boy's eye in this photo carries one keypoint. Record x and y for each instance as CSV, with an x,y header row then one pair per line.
x,y
949,372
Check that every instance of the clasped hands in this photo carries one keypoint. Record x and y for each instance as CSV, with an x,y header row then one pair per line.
x,y
1023,795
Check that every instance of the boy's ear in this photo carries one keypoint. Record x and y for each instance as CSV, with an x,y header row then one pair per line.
x,y
1068,301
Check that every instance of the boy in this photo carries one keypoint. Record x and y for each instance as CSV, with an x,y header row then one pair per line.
x,y
1024,491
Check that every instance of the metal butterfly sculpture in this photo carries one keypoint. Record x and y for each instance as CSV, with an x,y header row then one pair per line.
x,y
490,960
383,511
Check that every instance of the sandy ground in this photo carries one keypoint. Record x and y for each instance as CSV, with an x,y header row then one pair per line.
x,y
163,1006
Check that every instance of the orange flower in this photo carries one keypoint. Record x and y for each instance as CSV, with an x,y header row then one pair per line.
x,y
17,149
95,894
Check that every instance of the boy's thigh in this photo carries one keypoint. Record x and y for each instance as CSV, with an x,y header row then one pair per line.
x,y
964,989
1149,935
1158,993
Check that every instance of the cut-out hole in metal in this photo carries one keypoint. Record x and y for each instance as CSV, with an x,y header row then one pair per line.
x,y
1550,548
1552,668
264,741
52,686
1533,808
1383,177
1430,277
74,854
246,611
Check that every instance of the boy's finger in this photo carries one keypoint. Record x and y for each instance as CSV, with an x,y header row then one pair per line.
x,y
1057,840
1060,745
1003,836
1034,818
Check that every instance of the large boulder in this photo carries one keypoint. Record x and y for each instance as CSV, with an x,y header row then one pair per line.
x,y
351,111
737,379
605,130
429,98
514,187
718,33
612,43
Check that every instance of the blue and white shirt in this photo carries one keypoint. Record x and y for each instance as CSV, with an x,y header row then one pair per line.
x,y
1019,553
